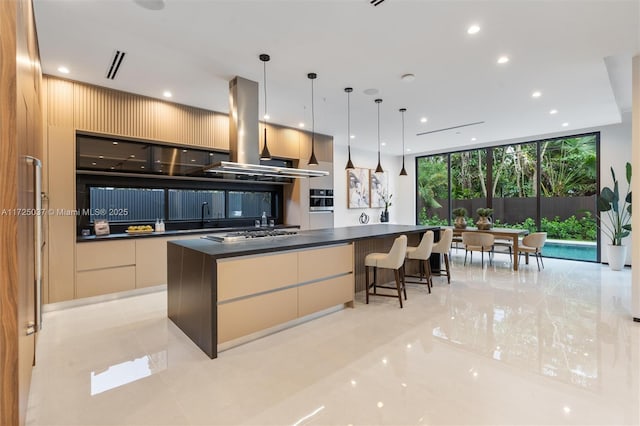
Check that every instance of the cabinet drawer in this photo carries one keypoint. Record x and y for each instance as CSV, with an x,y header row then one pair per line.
x,y
105,281
325,294
105,254
325,262
246,316
247,275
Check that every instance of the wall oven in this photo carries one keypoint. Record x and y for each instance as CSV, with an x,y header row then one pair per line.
x,y
321,200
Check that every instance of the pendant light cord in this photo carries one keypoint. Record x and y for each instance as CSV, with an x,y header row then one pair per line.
x,y
313,121
349,120
402,134
265,91
378,132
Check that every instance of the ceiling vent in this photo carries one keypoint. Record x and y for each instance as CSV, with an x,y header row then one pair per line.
x,y
376,2
114,67
450,128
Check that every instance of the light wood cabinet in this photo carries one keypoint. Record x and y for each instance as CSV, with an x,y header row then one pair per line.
x,y
263,291
106,254
105,281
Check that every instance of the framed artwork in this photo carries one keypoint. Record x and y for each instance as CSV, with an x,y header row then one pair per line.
x,y
358,188
379,182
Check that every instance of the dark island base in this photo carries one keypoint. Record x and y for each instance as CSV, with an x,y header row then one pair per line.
x,y
192,276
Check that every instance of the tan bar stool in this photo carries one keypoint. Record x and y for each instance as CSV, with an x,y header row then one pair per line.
x,y
422,253
392,260
442,247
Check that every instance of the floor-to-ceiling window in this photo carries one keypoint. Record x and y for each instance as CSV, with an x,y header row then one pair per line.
x,y
547,185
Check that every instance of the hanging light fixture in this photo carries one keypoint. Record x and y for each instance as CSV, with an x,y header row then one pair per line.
x,y
349,165
379,167
265,154
403,172
313,161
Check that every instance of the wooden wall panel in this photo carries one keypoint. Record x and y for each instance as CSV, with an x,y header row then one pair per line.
x,y
20,136
62,229
221,136
60,103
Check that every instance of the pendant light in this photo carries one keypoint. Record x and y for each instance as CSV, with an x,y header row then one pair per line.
x,y
265,154
379,167
403,172
313,161
349,163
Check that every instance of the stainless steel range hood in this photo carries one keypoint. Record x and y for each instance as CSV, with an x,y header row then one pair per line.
x,y
244,137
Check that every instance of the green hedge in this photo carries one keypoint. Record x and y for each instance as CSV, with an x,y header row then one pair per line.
x,y
573,228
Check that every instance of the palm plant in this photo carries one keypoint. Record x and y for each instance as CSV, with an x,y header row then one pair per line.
x,y
618,224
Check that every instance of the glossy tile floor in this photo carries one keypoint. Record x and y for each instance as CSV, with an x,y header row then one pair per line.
x,y
495,347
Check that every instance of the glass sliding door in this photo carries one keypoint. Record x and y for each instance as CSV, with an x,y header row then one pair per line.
x,y
514,186
469,181
568,197
433,190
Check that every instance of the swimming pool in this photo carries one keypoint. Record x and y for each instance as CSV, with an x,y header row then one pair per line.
x,y
575,250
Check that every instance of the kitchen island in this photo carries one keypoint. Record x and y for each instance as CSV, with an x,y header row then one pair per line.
x,y
222,294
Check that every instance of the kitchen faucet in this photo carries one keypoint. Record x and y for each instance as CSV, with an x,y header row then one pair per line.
x,y
205,206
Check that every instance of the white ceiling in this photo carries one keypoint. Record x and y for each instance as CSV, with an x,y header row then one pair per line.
x,y
193,48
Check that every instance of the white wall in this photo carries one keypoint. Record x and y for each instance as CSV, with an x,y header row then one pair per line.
x,y
615,151
402,188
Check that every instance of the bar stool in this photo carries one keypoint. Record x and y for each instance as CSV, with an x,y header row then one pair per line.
x,y
392,260
422,253
442,247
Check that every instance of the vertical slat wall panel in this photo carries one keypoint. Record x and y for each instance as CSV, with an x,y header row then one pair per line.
x,y
221,136
60,103
112,112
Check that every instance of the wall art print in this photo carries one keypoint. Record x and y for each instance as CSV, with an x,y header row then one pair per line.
x,y
379,183
358,188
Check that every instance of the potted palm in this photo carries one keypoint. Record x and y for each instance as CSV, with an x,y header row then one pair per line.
x,y
460,221
618,219
484,221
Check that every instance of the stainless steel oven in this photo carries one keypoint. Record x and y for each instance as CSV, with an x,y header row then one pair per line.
x,y
321,200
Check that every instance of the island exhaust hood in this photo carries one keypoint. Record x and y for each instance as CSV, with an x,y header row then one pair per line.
x,y
244,137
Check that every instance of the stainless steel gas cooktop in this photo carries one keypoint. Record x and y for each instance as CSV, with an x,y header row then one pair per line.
x,y
248,235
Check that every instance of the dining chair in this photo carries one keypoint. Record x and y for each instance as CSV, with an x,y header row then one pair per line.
x,y
477,241
394,260
532,244
442,247
422,253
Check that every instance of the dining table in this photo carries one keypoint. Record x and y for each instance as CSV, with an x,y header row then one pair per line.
x,y
501,233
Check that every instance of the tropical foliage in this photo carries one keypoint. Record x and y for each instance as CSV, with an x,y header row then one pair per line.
x,y
619,219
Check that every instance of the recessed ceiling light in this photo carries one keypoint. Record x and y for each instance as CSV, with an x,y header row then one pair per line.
x,y
301,124
473,29
353,136
423,120
63,70
473,139
267,116
167,94
503,59
371,92
553,111
383,144
565,124
408,149
536,94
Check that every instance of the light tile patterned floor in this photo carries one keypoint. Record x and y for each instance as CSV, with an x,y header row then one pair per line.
x,y
495,347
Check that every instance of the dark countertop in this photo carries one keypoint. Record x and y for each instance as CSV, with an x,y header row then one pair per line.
x,y
303,239
172,233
